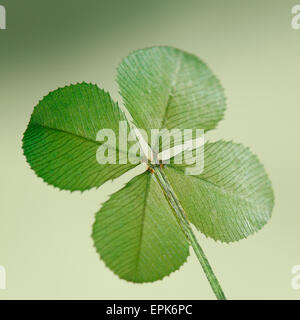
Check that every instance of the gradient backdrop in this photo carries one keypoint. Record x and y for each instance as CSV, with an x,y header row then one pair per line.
x,y
45,242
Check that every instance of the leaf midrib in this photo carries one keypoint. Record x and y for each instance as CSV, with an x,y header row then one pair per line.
x,y
227,192
173,84
74,135
142,222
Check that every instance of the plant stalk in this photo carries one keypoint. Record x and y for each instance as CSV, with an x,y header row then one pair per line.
x,y
187,230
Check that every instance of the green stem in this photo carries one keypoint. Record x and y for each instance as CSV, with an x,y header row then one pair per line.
x,y
186,228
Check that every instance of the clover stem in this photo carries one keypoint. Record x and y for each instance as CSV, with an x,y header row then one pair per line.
x,y
187,230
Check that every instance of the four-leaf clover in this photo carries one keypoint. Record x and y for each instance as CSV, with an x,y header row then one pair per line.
x,y
142,232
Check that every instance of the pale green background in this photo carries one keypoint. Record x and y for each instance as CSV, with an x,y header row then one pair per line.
x,y
45,242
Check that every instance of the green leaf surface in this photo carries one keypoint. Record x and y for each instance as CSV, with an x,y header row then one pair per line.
x,y
231,199
164,87
136,233
60,141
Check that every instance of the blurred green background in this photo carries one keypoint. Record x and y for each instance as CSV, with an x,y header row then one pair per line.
x,y
45,242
